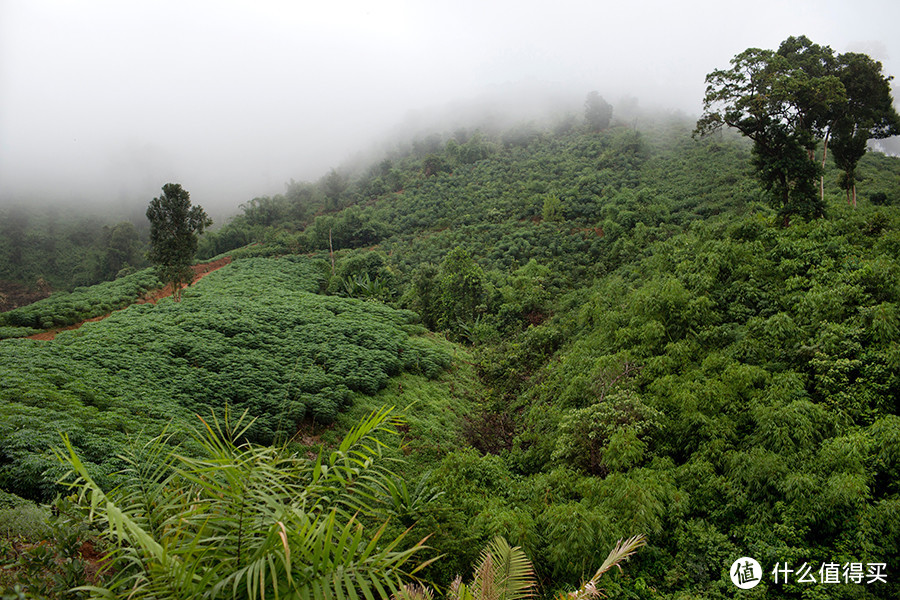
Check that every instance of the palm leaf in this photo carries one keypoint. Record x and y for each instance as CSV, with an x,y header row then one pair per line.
x,y
503,573
253,522
619,554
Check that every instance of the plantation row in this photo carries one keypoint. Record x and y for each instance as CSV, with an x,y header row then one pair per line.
x,y
68,308
254,336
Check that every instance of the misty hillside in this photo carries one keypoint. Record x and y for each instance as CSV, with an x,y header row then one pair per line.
x,y
592,333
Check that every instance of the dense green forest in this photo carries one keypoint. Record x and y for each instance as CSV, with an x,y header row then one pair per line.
x,y
588,335
44,249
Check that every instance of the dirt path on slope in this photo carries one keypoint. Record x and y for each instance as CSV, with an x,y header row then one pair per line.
x,y
150,297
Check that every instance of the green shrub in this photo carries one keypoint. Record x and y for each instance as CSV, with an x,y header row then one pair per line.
x,y
26,521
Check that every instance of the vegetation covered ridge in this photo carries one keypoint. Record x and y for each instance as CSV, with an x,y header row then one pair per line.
x,y
661,355
151,296
255,335
635,342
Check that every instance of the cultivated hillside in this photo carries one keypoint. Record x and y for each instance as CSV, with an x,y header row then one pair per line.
x,y
596,333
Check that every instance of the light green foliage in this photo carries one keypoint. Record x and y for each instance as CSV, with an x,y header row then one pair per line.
x,y
364,275
252,335
461,284
767,415
64,308
423,294
525,297
607,436
248,521
470,150
552,209
351,228
26,520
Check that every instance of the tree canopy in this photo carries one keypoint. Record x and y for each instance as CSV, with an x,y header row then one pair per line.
x,y
174,229
868,114
788,101
597,112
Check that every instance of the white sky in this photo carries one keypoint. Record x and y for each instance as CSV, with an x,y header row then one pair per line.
x,y
109,100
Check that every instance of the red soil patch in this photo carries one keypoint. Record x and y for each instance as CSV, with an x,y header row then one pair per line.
x,y
151,297
13,295
200,271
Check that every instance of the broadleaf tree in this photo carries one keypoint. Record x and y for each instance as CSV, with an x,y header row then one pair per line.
x,y
869,113
175,226
771,101
788,102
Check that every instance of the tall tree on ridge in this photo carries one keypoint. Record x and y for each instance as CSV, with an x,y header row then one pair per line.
x,y
174,228
597,112
789,100
869,113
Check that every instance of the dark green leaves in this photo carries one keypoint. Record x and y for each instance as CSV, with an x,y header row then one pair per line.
x,y
174,229
787,101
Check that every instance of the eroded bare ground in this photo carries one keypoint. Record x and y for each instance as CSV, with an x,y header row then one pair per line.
x,y
151,297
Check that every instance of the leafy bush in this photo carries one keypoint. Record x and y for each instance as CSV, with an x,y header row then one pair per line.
x,y
50,555
607,436
27,521
10,332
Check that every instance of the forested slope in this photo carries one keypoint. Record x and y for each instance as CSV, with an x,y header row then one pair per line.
x,y
661,355
48,248
656,353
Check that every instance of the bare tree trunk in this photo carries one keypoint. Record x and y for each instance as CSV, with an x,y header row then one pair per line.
x,y
822,176
331,251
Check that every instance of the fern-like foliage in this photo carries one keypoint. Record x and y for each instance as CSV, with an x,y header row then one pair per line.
x,y
244,521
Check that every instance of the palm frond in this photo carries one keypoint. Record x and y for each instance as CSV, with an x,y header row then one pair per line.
x,y
458,590
253,522
119,522
413,591
619,554
503,573
483,584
